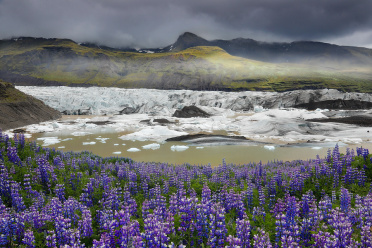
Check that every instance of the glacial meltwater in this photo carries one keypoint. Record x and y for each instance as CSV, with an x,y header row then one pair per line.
x,y
105,142
136,123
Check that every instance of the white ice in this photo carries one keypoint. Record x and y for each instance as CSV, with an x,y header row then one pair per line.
x,y
179,148
77,133
276,123
133,149
153,146
89,143
116,153
269,147
47,141
152,133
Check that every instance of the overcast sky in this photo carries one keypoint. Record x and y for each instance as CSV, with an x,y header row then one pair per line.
x,y
157,23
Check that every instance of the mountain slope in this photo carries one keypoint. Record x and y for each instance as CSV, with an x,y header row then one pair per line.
x,y
30,61
18,109
305,52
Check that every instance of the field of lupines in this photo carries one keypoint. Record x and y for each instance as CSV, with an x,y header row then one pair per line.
x,y
51,198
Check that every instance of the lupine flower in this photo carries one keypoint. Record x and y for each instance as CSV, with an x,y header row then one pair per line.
x,y
29,239
261,240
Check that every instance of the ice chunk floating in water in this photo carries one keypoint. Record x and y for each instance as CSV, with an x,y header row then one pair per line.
x,y
133,149
80,133
49,140
271,148
89,143
152,133
179,148
152,146
116,153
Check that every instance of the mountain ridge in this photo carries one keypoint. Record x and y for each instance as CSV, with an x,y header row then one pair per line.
x,y
39,61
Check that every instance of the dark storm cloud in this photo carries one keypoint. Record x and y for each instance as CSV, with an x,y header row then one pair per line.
x,y
153,23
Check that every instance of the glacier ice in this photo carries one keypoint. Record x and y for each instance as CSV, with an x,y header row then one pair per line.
x,y
178,148
106,101
133,149
153,146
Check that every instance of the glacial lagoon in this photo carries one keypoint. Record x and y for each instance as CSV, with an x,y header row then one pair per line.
x,y
122,122
105,141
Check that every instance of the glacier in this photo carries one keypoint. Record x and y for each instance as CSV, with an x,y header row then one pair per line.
x,y
115,101
259,116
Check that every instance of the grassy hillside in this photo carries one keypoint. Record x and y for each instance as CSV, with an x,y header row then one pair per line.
x,y
63,62
8,94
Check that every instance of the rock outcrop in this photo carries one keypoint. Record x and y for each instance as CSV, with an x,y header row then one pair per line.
x,y
190,111
18,109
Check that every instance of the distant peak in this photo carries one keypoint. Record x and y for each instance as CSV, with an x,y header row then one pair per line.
x,y
189,37
187,40
188,34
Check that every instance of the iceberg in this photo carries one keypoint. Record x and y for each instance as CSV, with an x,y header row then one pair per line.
x,y
177,148
153,146
133,149
155,133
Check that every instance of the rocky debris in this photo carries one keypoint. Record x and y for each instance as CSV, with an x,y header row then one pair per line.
x,y
77,112
364,121
128,110
336,104
190,111
19,130
163,121
147,121
100,123
199,136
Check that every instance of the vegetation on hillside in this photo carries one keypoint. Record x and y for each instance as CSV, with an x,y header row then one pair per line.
x,y
8,94
63,62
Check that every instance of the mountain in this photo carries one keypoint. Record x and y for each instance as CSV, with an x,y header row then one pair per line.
x,y
305,52
18,109
190,63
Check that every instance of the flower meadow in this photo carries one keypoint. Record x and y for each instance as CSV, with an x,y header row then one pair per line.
x,y
51,198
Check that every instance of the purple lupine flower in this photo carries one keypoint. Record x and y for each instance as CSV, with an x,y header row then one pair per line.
x,y
366,236
206,194
13,156
85,224
280,228
233,242
145,209
345,200
27,184
60,192
188,212
29,239
69,210
203,211
156,232
5,221
243,229
51,239
261,239
104,242
127,233
324,239
342,228
17,199
62,226
217,227
288,241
